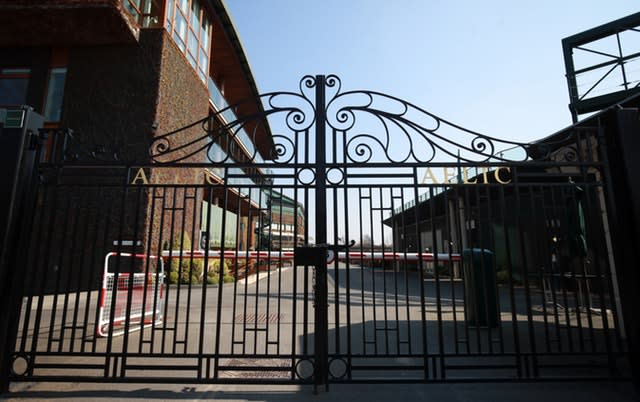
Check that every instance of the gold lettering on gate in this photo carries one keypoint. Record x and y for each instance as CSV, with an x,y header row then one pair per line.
x,y
465,178
448,174
209,178
480,175
142,176
430,176
497,175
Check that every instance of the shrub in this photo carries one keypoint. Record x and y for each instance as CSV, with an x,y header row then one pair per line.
x,y
186,275
197,267
213,274
184,267
173,277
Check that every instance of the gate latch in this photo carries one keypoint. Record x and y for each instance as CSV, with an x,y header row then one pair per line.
x,y
318,253
310,255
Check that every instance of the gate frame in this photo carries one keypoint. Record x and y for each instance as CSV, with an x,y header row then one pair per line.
x,y
10,308
26,177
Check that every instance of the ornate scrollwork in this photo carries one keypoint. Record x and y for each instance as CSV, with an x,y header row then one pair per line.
x,y
375,127
383,128
209,135
284,148
71,148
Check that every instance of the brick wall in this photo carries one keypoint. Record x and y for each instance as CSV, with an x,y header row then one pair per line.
x,y
114,94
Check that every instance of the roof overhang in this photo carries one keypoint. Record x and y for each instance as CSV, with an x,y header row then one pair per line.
x,y
66,23
560,137
231,70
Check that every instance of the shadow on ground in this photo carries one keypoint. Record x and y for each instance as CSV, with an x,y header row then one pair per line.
x,y
454,392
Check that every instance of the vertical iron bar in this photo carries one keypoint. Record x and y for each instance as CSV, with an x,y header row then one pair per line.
x,y
491,191
225,203
23,219
32,269
555,276
436,260
321,316
151,192
268,288
448,230
396,291
349,351
512,296
163,206
421,272
109,352
525,274
362,279
58,275
125,342
469,221
545,278
478,271
565,299
611,216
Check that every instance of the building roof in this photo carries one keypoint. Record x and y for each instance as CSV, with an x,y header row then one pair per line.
x,y
235,90
558,137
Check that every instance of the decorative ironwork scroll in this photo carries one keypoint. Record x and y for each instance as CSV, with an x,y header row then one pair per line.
x,y
369,126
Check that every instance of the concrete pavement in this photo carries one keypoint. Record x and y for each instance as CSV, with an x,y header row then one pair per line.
x,y
455,392
451,392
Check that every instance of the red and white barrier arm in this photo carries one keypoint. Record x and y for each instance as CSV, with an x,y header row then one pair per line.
x,y
232,255
342,256
394,256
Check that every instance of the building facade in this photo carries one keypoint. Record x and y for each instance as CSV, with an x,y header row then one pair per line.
x,y
120,74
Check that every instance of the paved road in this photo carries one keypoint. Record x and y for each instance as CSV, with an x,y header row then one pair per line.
x,y
273,317
509,392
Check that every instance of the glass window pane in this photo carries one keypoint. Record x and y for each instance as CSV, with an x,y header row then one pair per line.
x,y
146,8
195,14
204,61
14,83
132,6
179,41
204,34
184,5
181,27
170,10
193,44
55,94
16,71
192,60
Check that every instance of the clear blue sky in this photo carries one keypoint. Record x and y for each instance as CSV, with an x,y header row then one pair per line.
x,y
491,66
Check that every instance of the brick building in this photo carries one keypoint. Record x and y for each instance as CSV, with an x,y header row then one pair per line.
x,y
286,223
120,73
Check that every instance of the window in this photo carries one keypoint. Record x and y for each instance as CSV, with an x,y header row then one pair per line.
x,y
146,12
190,28
55,94
14,83
133,6
170,10
180,34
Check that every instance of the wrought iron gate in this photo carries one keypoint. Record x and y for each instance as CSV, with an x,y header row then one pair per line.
x,y
382,243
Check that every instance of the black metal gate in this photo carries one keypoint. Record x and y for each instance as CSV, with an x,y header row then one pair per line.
x,y
381,244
